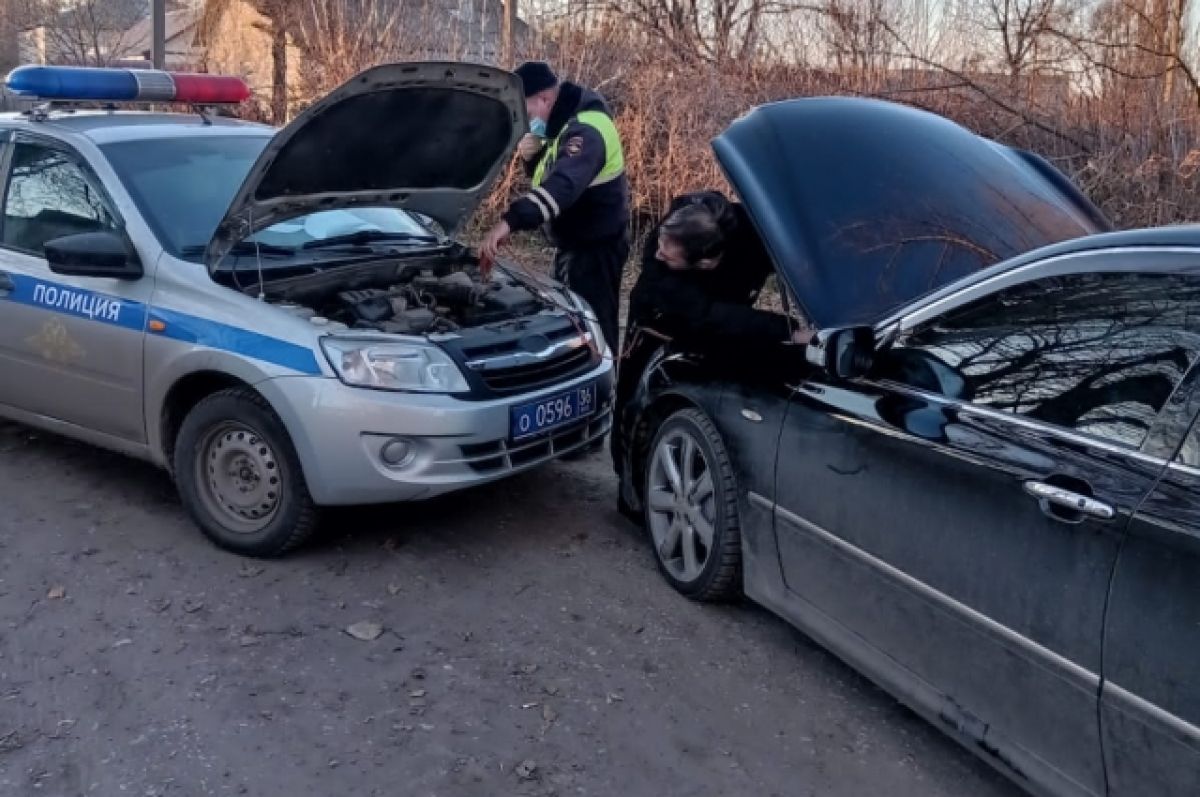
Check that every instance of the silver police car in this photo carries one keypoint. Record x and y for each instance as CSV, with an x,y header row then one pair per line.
x,y
283,319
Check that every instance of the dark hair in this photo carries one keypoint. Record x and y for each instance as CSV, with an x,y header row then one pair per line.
x,y
701,226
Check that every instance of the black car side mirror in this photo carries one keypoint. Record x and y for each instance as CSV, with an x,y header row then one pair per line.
x,y
843,353
94,254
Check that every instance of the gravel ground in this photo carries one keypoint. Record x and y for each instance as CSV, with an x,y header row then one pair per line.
x,y
518,640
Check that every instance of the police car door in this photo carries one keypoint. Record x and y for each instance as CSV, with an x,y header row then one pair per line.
x,y
70,347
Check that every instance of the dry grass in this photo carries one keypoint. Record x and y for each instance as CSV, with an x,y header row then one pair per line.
x,y
669,113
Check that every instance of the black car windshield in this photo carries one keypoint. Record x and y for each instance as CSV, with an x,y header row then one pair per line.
x,y
183,186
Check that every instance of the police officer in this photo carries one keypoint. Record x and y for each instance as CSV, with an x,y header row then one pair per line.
x,y
579,191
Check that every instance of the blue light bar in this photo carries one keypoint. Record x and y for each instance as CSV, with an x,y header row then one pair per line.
x,y
124,85
75,83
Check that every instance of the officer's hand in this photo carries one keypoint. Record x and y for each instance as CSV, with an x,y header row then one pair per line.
x,y
495,238
529,146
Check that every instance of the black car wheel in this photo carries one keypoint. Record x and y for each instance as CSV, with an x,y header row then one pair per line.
x,y
691,508
239,477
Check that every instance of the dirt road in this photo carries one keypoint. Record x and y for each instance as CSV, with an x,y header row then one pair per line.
x,y
527,646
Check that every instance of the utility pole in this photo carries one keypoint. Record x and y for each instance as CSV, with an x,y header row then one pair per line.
x,y
158,41
9,47
508,47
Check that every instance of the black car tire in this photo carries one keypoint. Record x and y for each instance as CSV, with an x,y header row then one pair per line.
x,y
720,577
249,495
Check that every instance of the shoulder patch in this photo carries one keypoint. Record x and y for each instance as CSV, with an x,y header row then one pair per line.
x,y
574,146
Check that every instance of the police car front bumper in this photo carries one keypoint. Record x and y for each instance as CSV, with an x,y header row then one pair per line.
x,y
345,436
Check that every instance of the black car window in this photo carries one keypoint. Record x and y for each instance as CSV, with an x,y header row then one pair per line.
x,y
1099,354
50,195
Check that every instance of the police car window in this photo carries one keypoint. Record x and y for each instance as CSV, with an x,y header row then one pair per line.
x,y
183,187
50,195
1099,354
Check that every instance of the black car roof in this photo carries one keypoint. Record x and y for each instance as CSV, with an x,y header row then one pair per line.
x,y
1182,235
1137,241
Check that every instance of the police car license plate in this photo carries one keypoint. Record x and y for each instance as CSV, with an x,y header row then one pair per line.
x,y
546,414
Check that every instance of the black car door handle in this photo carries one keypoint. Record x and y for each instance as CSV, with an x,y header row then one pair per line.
x,y
6,284
1066,499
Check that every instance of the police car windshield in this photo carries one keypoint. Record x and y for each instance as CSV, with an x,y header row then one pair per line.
x,y
183,187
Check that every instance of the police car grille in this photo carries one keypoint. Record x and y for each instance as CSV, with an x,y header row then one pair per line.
x,y
543,373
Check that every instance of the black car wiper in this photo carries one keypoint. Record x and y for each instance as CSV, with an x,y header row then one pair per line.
x,y
370,236
246,248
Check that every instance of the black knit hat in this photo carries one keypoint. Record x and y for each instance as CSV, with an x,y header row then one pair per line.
x,y
537,76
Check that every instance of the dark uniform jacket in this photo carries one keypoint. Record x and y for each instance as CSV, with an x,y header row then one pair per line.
x,y
577,213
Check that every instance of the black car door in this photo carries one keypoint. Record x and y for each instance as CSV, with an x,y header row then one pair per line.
x,y
1150,708
951,523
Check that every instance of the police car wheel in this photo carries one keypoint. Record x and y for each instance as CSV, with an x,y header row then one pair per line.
x,y
239,477
691,509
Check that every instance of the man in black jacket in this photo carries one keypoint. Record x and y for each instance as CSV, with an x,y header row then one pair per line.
x,y
575,160
703,268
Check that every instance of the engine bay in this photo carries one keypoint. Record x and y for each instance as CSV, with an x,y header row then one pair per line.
x,y
412,298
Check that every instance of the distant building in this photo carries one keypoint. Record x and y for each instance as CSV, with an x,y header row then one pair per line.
x,y
182,53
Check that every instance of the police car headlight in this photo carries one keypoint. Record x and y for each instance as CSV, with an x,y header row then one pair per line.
x,y
389,365
593,323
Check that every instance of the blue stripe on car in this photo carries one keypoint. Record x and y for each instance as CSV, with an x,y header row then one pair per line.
x,y
131,315
201,331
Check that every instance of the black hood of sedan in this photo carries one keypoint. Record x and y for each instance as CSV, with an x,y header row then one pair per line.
x,y
865,205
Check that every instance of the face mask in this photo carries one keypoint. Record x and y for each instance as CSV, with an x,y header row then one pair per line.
x,y
537,127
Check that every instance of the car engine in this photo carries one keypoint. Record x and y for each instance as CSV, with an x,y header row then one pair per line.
x,y
426,301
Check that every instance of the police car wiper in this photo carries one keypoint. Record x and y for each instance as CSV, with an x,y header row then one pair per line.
x,y
370,236
246,248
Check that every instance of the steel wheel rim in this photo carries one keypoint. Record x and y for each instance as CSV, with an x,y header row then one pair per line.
x,y
681,504
239,477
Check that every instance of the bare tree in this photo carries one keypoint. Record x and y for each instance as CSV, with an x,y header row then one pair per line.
x,y
1147,41
1025,33
85,32
508,47
10,53
716,31
858,34
277,19
276,13
343,37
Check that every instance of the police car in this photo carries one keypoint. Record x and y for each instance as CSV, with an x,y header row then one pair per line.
x,y
283,319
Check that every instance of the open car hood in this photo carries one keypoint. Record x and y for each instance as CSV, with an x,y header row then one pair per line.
x,y
428,137
866,205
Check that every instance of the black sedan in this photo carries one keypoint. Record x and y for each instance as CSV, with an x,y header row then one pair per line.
x,y
980,486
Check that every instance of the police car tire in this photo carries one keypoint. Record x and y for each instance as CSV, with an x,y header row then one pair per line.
x,y
297,518
720,580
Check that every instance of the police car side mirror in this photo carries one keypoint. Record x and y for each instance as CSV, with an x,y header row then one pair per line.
x,y
94,254
843,353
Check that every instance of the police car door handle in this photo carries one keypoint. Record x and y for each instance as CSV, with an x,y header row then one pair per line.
x,y
6,284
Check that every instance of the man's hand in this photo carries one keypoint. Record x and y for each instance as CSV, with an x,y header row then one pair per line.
x,y
496,237
529,147
802,336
